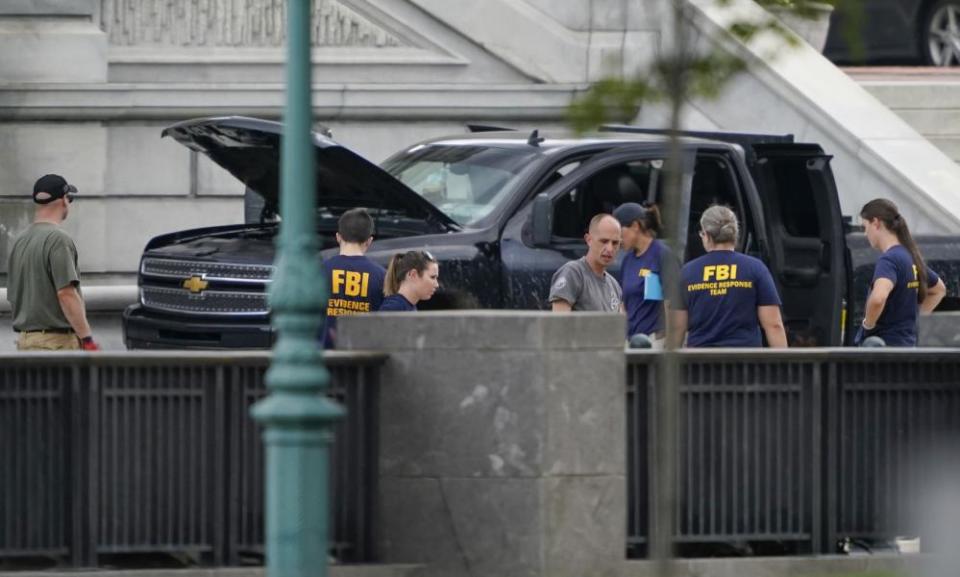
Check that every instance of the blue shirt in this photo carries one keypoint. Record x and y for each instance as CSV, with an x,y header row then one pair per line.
x,y
642,278
356,287
397,303
721,291
897,325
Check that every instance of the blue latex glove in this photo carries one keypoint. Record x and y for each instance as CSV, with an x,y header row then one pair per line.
x,y
862,334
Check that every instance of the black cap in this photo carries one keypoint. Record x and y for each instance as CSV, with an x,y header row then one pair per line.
x,y
50,187
629,213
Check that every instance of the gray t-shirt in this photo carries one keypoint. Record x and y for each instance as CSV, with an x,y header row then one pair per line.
x,y
576,283
43,260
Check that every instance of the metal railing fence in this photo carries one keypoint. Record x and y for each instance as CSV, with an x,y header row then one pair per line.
x,y
887,415
800,447
156,452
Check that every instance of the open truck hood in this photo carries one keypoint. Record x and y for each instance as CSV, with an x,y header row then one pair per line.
x,y
249,149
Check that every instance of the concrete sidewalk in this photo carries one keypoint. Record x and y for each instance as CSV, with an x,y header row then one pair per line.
x,y
888,565
371,570
828,565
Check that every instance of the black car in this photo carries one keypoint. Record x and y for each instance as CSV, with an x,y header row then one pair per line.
x,y
501,211
919,31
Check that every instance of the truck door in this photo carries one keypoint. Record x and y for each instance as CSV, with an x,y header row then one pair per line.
x,y
598,185
805,232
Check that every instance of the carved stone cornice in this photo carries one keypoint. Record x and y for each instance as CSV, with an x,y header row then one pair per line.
x,y
97,102
238,24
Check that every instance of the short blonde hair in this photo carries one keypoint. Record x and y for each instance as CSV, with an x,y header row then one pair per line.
x,y
720,224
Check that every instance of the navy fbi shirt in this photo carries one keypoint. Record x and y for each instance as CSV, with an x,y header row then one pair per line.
x,y
721,291
356,287
397,303
643,278
897,325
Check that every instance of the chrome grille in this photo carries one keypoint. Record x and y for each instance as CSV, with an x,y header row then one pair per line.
x,y
211,271
207,303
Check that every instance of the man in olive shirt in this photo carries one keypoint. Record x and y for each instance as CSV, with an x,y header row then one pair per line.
x,y
44,284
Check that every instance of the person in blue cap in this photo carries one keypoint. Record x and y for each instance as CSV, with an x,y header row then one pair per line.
x,y
726,297
903,287
647,266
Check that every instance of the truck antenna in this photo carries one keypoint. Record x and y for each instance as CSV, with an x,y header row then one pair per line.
x,y
535,138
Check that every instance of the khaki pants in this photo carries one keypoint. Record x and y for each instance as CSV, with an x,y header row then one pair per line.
x,y
41,341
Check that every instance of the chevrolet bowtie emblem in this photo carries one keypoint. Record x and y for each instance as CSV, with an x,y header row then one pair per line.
x,y
195,284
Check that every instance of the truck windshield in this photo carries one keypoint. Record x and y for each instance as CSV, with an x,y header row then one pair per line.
x,y
466,182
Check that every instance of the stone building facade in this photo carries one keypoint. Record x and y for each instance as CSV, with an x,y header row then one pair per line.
x,y
86,86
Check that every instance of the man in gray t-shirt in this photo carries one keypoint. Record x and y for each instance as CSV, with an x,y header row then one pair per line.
x,y
584,284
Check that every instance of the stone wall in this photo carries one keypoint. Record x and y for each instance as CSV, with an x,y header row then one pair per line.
x,y
502,441
237,24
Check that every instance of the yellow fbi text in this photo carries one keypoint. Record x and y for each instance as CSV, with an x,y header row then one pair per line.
x,y
914,284
350,283
343,307
720,272
718,279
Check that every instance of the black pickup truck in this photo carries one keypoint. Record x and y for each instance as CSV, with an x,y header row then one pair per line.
x,y
502,210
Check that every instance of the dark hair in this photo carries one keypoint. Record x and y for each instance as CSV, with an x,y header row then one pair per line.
x,y
355,225
889,215
651,220
646,214
401,264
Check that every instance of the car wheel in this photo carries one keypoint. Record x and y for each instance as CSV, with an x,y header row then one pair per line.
x,y
940,37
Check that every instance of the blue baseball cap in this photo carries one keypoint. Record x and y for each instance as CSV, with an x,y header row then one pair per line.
x,y
629,213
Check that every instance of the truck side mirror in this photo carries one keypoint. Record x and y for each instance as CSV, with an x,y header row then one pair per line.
x,y
542,220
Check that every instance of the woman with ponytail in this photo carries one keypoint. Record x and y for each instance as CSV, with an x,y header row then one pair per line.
x,y
411,277
646,267
726,297
902,286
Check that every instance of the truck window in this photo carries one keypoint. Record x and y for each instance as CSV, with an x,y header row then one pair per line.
x,y
714,183
556,175
466,182
635,181
798,215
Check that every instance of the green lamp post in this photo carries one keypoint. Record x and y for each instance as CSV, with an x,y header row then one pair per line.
x,y
297,416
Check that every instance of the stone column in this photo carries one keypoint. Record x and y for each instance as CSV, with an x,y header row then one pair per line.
x,y
49,43
502,441
52,41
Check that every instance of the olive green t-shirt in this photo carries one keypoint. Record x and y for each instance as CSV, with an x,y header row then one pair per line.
x,y
43,260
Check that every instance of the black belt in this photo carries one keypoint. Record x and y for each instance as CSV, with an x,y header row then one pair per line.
x,y
42,331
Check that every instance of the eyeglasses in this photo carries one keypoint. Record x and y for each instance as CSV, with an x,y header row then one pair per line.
x,y
429,256
69,192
